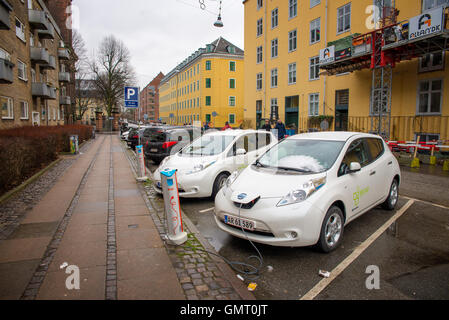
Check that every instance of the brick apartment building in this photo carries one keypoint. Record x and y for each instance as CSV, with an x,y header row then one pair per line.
x,y
149,101
36,74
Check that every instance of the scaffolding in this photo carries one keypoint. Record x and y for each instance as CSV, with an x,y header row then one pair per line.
x,y
380,51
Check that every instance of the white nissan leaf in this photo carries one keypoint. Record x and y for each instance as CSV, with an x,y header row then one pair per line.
x,y
304,190
205,164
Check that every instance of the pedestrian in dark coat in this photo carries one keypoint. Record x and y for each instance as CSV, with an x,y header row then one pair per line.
x,y
267,126
280,127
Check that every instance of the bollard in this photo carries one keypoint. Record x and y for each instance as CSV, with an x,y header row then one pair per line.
x,y
433,159
415,163
74,147
141,169
446,165
175,232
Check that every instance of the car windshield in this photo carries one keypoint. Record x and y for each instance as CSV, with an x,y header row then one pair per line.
x,y
301,155
208,145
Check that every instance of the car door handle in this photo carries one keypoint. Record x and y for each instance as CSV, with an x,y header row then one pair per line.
x,y
390,163
372,173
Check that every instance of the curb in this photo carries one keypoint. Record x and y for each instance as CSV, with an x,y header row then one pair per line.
x,y
24,184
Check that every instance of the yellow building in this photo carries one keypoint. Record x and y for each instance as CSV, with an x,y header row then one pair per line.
x,y
283,41
207,86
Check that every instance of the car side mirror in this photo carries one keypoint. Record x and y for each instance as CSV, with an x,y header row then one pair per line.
x,y
240,152
354,167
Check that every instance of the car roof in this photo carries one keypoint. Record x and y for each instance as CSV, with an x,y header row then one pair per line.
x,y
234,132
333,135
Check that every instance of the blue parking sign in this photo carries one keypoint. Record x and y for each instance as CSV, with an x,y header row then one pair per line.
x,y
131,97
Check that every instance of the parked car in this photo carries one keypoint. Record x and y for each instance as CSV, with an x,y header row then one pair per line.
x,y
124,135
161,141
133,137
306,189
205,164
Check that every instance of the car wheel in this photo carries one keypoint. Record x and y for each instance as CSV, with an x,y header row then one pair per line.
x,y
393,196
331,230
219,183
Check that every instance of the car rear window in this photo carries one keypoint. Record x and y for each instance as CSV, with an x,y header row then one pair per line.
x,y
156,135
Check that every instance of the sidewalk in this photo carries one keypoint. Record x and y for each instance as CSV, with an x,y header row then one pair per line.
x,y
98,219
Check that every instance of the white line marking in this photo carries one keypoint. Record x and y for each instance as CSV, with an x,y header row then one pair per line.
x,y
320,286
207,210
426,202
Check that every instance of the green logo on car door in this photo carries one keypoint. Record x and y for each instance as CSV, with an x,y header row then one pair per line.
x,y
358,195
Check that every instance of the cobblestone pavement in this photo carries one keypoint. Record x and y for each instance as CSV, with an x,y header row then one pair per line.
x,y
198,272
15,208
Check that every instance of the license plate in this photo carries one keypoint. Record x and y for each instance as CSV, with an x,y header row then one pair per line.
x,y
241,223
153,150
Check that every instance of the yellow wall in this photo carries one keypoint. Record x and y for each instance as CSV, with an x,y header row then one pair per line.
x,y
405,77
219,92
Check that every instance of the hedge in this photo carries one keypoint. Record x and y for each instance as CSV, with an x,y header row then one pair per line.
x,y
26,150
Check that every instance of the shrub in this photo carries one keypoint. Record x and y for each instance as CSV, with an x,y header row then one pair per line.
x,y
26,150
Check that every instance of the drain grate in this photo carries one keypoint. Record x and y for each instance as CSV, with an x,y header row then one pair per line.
x,y
133,226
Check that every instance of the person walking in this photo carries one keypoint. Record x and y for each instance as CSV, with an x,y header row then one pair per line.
x,y
280,127
267,126
226,127
206,126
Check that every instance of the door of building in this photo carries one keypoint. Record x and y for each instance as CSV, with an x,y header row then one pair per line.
x,y
341,110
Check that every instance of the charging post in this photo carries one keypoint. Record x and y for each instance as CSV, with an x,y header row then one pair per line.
x,y
175,232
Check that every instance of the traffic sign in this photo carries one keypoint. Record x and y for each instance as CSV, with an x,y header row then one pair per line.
x,y
131,97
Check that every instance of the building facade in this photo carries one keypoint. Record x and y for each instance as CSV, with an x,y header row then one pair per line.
x,y
149,101
34,68
205,87
283,79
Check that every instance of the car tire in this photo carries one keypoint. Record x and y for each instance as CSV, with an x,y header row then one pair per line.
x,y
331,230
393,196
218,183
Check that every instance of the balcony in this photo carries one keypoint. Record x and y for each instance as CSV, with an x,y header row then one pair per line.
x,y
37,19
63,54
65,101
6,71
51,63
49,33
64,77
39,55
42,90
5,9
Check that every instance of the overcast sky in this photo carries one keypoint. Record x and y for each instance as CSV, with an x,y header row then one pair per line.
x,y
159,33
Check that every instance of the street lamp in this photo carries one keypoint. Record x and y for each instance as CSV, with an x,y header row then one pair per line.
x,y
219,23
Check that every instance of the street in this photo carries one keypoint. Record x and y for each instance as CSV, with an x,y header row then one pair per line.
x,y
412,255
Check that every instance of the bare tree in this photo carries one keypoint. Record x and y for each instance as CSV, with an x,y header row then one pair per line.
x,y
112,72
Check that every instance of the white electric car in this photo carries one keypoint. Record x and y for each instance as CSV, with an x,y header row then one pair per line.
x,y
205,164
303,191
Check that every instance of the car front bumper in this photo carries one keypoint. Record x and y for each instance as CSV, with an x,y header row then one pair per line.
x,y
195,185
295,225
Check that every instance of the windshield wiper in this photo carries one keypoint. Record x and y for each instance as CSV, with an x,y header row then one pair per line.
x,y
295,169
259,164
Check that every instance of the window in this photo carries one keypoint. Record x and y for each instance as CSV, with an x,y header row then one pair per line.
x,y
20,30
292,73
259,27
208,65
232,66
274,112
208,100
314,3
314,72
31,39
197,102
315,31
430,4
314,102
22,70
232,101
259,81
427,137
431,62
231,49
7,108
198,85
208,117
208,82
274,78
259,4
259,54
232,118
430,96
30,4
375,147
357,152
292,8
274,18
344,18
5,55
23,110
232,83
274,48
292,36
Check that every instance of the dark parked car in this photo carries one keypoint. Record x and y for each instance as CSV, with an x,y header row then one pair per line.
x,y
160,142
133,137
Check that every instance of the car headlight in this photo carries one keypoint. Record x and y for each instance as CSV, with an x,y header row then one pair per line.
x,y
230,180
302,194
200,167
